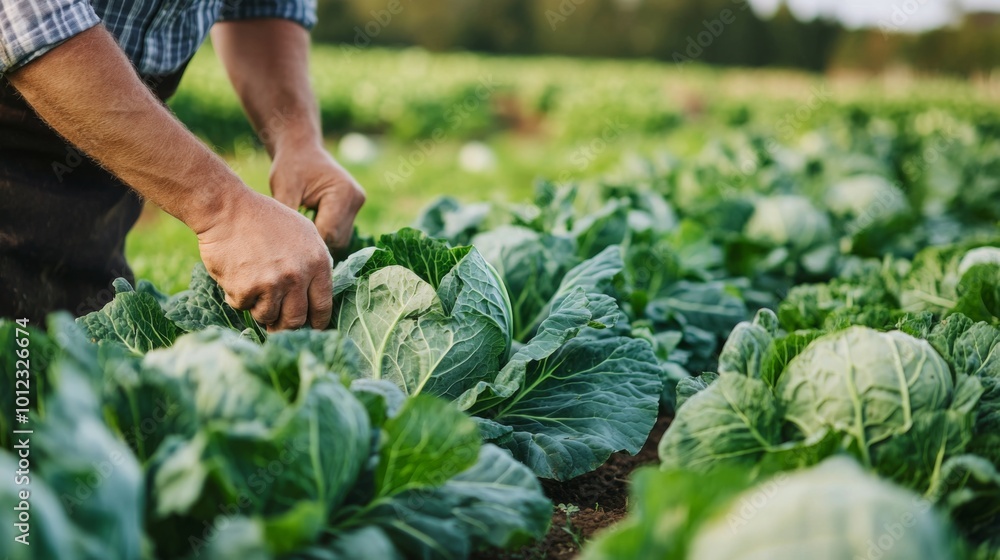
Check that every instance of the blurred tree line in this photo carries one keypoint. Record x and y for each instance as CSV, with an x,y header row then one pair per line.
x,y
724,32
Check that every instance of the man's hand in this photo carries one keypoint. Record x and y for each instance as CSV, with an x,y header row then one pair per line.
x,y
308,176
266,257
270,260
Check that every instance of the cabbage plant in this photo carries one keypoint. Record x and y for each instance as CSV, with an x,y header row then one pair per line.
x,y
220,447
438,320
918,407
431,319
831,511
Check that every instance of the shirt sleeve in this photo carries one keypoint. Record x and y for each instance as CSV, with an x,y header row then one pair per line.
x,y
302,12
31,28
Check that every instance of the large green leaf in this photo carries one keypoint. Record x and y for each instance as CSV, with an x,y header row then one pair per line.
x,y
976,351
569,316
665,511
594,276
732,422
496,502
969,491
134,319
203,305
215,366
914,458
430,259
145,407
978,293
532,266
289,459
745,350
592,397
711,306
427,443
987,422
365,542
96,477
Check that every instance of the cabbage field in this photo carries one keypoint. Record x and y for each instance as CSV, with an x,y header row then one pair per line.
x,y
734,334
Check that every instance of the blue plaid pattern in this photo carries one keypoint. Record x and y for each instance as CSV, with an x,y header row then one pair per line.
x,y
158,36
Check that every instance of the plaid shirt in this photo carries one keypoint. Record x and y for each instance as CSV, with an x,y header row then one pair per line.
x,y
158,36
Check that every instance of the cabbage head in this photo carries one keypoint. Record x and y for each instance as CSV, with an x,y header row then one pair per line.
x,y
870,199
830,512
864,383
788,220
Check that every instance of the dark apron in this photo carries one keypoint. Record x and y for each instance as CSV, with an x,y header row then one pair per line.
x,y
63,219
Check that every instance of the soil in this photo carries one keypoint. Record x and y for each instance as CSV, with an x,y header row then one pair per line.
x,y
592,502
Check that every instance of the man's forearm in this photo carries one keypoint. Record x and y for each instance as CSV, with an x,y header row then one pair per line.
x,y
87,90
268,64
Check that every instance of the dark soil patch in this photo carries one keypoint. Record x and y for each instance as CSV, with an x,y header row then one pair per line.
x,y
591,502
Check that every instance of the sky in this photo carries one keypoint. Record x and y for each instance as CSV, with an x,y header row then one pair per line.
x,y
910,15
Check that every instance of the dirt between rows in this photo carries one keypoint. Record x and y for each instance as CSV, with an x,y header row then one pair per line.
x,y
601,497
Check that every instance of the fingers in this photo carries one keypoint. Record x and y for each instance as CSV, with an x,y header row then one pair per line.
x,y
286,196
335,218
294,310
267,310
321,300
278,310
242,300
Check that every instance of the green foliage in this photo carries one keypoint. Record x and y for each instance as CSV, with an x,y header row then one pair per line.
x,y
918,409
563,324
834,509
256,449
432,320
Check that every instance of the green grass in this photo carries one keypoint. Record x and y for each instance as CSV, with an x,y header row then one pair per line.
x,y
409,93
542,120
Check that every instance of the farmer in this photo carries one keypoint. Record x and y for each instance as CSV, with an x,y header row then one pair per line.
x,y
90,77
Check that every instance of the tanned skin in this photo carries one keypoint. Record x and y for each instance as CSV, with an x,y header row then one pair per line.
x,y
268,64
267,257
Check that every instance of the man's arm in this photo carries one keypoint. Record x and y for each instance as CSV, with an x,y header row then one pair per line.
x,y
267,258
268,64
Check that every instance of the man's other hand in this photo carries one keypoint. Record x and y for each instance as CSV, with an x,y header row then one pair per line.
x,y
310,177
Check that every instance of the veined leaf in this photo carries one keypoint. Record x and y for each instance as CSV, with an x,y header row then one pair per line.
x,y
133,319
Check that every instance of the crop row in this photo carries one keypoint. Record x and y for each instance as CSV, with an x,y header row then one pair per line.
x,y
412,94
494,345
